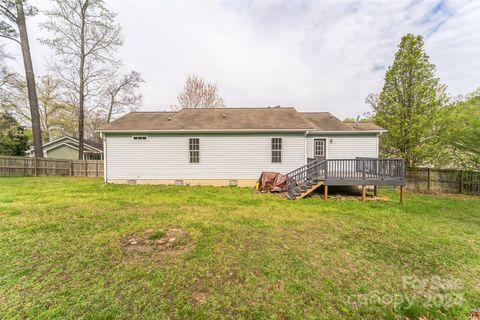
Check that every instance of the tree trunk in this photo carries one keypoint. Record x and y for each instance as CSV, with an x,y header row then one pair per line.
x,y
81,113
81,98
110,110
30,77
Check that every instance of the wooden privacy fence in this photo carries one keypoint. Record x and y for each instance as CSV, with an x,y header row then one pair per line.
x,y
26,166
443,180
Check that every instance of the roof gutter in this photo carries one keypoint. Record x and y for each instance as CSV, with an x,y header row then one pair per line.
x,y
200,130
347,131
307,131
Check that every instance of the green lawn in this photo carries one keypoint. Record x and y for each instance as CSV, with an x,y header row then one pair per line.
x,y
64,254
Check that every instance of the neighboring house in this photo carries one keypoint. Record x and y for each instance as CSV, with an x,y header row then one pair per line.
x,y
67,148
227,145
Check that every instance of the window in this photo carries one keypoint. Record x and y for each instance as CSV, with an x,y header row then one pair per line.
x,y
92,156
276,150
139,138
194,148
319,147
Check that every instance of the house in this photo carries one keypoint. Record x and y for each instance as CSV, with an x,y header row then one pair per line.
x,y
228,146
67,148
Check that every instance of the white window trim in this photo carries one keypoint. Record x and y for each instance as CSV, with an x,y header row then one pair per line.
x,y
311,154
188,150
325,141
271,150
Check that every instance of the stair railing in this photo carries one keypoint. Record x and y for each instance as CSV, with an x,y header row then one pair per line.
x,y
313,170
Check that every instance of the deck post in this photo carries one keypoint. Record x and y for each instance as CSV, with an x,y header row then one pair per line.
x,y
363,170
364,191
325,192
401,195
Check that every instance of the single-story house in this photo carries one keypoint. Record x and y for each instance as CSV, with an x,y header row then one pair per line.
x,y
67,148
227,146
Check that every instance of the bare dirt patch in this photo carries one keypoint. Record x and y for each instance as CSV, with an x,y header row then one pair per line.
x,y
157,241
200,297
475,314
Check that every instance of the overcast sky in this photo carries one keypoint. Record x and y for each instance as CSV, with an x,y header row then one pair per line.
x,y
316,56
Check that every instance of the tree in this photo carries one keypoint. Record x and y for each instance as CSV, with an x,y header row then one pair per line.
x,y
459,137
198,94
4,73
409,103
85,38
14,139
56,116
3,65
121,95
366,117
12,27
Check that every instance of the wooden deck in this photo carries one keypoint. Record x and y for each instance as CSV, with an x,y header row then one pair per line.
x,y
345,172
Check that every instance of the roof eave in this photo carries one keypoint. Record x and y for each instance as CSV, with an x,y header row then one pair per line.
x,y
46,145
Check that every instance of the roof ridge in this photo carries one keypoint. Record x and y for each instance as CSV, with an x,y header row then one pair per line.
x,y
226,108
160,111
314,112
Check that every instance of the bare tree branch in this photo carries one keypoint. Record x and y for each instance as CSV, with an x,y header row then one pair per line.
x,y
198,94
85,38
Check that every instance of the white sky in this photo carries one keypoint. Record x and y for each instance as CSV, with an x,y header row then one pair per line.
x,y
316,56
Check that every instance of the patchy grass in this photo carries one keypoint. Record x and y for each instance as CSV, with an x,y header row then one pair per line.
x,y
249,255
157,234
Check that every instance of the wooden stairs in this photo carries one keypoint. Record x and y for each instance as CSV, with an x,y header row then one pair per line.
x,y
302,190
304,180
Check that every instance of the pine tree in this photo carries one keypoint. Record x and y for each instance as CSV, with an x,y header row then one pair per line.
x,y
409,103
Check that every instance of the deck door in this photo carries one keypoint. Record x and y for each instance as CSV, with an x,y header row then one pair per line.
x,y
320,149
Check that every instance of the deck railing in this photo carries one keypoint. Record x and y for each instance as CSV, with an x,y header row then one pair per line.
x,y
314,169
362,171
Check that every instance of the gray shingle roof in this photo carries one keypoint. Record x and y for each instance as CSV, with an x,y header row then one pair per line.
x,y
285,118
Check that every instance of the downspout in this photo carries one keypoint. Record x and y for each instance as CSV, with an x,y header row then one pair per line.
x,y
378,142
305,148
104,137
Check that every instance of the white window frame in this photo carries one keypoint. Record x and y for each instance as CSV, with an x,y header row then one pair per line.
x,y
272,150
192,151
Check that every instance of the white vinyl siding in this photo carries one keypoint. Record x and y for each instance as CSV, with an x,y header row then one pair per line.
x,y
346,146
223,156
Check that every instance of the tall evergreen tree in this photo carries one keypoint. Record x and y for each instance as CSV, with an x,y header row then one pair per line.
x,y
408,104
14,139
